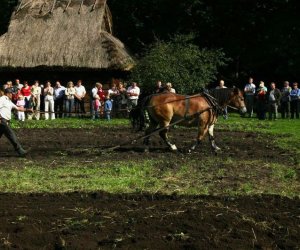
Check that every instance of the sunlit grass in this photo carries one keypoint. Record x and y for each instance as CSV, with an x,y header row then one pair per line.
x,y
71,123
190,178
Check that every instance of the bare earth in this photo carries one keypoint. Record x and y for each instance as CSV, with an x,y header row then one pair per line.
x,y
143,221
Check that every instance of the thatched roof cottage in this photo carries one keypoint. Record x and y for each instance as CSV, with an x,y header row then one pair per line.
x,y
62,36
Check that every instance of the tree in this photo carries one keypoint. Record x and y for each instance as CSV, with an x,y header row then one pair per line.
x,y
178,61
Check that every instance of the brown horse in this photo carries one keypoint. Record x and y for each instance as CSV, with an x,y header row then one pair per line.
x,y
199,110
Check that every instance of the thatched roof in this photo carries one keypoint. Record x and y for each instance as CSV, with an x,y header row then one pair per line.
x,y
62,33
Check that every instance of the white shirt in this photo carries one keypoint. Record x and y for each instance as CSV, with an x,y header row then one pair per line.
x,y
219,87
59,92
113,92
80,91
133,90
6,106
94,92
250,89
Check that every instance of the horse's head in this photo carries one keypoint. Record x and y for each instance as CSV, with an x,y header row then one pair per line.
x,y
237,100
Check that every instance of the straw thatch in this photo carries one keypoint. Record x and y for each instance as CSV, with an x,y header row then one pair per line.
x,y
62,33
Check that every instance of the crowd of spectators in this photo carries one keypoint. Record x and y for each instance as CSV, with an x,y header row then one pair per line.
x,y
58,101
272,100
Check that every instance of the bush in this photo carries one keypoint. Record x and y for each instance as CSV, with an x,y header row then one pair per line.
x,y
180,62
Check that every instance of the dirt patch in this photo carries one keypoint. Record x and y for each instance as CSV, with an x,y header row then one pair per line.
x,y
105,221
86,143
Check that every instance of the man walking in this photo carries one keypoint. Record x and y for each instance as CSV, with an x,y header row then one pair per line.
x,y
6,105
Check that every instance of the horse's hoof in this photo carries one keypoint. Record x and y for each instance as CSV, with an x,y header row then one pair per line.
x,y
217,150
173,147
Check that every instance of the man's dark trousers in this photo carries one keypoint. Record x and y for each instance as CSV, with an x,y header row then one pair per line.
x,y
9,133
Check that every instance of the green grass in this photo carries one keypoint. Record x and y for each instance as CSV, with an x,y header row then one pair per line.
x,y
70,123
192,177
284,132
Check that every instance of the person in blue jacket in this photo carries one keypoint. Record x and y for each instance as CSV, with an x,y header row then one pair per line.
x,y
107,107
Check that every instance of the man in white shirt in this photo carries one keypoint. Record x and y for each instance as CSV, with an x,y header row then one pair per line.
x,y
80,93
249,96
133,93
6,105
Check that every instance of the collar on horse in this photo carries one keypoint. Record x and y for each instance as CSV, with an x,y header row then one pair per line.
x,y
213,103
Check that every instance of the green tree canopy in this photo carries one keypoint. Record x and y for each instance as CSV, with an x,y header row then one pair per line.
x,y
180,62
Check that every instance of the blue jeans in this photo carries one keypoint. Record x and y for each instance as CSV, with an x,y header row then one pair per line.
x,y
69,107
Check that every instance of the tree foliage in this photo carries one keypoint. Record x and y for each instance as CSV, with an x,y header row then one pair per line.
x,y
178,61
261,37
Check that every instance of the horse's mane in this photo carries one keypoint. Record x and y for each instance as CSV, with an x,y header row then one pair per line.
x,y
221,95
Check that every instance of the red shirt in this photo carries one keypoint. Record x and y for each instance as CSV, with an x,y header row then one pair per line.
x,y
26,91
101,94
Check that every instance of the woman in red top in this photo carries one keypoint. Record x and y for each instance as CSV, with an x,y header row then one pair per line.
x,y
26,92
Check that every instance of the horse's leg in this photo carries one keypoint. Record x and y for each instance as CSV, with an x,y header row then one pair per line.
x,y
152,127
212,139
202,130
164,135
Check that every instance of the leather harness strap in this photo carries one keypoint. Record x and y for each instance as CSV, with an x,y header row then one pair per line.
x,y
187,107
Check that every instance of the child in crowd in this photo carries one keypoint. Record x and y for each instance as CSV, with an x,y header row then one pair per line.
x,y
107,108
97,105
21,103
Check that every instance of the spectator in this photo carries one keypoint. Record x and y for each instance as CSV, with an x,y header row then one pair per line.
x,y
26,92
101,95
80,93
36,92
273,101
59,98
18,84
69,95
133,93
249,96
169,88
295,101
95,101
49,101
285,100
261,101
123,99
96,107
114,96
158,87
16,91
21,104
108,105
222,86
